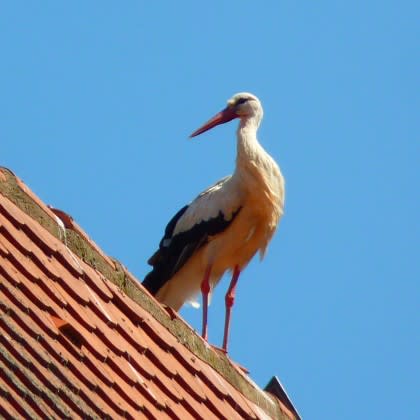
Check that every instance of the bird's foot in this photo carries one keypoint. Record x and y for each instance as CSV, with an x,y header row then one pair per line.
x,y
171,312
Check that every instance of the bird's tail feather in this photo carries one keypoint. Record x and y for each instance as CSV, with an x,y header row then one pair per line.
x,y
154,280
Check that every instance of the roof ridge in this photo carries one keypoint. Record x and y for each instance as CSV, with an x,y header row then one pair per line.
x,y
79,243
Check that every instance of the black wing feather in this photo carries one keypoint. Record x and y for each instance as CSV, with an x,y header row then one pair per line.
x,y
169,230
175,251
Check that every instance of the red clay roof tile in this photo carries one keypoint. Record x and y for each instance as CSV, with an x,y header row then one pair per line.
x,y
76,228
239,402
13,299
13,213
95,281
169,386
72,344
178,411
14,400
211,379
24,376
69,261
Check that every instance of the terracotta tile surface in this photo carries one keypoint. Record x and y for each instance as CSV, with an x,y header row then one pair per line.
x,y
73,345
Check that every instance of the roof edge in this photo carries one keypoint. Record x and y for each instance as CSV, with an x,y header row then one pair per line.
x,y
276,388
58,222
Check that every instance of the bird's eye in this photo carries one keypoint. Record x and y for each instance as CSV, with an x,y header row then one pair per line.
x,y
241,101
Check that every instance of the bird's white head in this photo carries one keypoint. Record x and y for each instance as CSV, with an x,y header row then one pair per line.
x,y
242,105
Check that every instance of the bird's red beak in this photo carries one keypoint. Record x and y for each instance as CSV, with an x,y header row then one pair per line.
x,y
228,114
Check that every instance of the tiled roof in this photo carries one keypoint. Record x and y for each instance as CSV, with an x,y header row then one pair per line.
x,y
81,338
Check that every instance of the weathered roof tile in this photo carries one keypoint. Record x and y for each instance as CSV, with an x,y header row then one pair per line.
x,y
73,344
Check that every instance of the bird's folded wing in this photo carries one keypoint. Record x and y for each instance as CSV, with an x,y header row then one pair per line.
x,y
187,232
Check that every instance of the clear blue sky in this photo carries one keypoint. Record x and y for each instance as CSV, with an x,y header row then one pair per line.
x,y
98,98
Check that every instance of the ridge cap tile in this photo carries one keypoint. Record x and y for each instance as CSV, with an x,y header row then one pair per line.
x,y
72,225
34,197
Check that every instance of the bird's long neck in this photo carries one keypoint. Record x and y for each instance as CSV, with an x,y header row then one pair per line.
x,y
248,147
257,174
255,168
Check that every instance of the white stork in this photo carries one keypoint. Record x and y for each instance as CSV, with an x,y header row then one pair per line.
x,y
225,226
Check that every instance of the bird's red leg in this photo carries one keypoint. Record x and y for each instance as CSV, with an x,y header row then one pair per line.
x,y
230,300
205,290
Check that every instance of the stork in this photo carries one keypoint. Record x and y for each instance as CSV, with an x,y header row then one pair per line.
x,y
226,225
